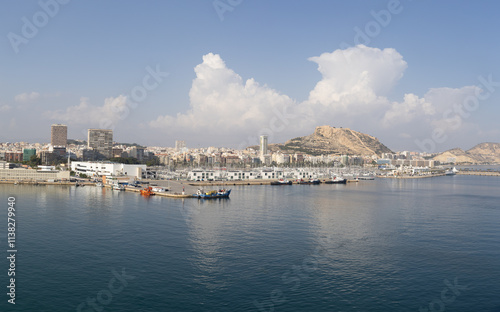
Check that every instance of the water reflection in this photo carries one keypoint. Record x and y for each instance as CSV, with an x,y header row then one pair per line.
x,y
206,230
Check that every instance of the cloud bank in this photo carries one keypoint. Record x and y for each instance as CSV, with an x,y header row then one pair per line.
x,y
222,102
105,116
352,92
225,109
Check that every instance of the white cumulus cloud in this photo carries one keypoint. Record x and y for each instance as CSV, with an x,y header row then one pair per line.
x,y
356,75
353,92
27,97
4,108
221,102
105,116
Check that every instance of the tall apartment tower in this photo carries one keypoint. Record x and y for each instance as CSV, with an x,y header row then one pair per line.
x,y
179,145
58,135
263,145
101,141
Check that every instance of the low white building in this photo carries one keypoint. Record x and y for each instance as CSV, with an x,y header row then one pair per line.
x,y
205,175
21,174
233,175
107,169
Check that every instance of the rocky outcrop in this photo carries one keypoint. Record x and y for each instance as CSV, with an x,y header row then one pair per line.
x,y
481,153
340,141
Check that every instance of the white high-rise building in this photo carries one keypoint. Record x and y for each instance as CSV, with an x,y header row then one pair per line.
x,y
263,145
179,145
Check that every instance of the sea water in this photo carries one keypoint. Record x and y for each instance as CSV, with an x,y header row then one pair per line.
x,y
428,244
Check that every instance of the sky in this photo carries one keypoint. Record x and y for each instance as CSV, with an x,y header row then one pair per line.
x,y
418,75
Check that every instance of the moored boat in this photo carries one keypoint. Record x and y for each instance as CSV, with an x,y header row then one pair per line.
x,y
148,191
118,187
336,180
366,176
281,182
159,189
213,194
310,181
451,171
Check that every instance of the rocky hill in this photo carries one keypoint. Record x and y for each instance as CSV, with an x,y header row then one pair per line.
x,y
481,153
330,140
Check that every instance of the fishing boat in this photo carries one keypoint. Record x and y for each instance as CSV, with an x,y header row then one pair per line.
x,y
281,182
213,194
336,180
310,181
148,191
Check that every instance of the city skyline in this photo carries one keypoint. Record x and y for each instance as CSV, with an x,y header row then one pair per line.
x,y
256,72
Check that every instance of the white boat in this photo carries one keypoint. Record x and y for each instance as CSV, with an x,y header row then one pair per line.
x,y
366,176
159,189
451,171
118,187
99,184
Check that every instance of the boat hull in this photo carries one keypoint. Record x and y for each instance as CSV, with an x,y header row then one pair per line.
x,y
281,183
343,181
213,195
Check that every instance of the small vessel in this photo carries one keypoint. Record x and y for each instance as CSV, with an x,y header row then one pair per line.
x,y
159,189
213,194
99,184
118,187
366,176
148,191
281,182
336,180
310,181
451,171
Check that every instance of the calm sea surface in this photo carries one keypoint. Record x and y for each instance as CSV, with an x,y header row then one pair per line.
x,y
384,245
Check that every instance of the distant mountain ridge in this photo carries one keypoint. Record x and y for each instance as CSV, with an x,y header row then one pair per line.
x,y
482,153
330,140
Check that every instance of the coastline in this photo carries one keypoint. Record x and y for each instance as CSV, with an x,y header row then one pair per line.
x,y
185,189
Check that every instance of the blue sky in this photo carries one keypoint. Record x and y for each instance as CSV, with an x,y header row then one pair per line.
x,y
413,83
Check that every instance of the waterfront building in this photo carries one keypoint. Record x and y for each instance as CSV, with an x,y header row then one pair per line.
x,y
303,173
28,152
95,169
205,175
234,175
20,174
58,135
6,165
101,141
